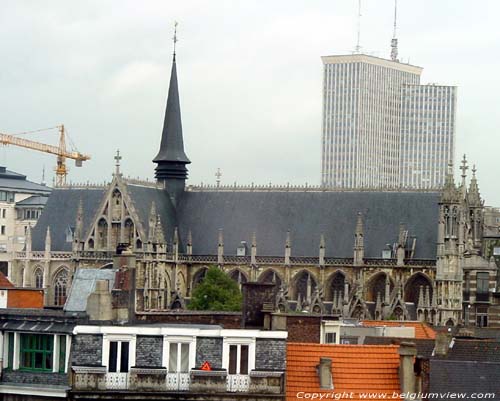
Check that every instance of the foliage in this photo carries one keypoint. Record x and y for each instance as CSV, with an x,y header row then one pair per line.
x,y
217,292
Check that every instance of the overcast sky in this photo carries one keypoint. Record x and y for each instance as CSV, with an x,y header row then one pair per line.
x,y
250,78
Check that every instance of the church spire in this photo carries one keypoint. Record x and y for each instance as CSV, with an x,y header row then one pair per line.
x,y
171,160
474,196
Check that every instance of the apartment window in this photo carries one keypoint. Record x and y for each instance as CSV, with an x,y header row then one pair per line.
x,y
178,358
482,316
4,213
118,356
330,338
482,289
238,359
2,230
36,352
6,196
62,354
10,352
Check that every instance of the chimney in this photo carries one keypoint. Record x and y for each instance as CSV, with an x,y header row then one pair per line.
x,y
442,344
99,305
324,370
407,353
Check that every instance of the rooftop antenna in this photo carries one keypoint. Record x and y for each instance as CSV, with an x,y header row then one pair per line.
x,y
394,41
175,35
358,47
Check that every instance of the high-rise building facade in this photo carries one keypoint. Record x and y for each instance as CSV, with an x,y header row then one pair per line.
x,y
372,131
427,134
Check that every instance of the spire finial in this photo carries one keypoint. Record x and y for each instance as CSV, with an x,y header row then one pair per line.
x,y
175,35
464,169
43,176
218,175
464,166
474,171
117,159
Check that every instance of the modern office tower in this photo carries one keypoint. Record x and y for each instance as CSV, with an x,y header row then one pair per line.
x,y
427,134
372,132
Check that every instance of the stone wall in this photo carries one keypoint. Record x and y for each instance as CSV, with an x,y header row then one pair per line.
x,y
86,350
303,329
43,378
209,349
228,320
270,354
149,351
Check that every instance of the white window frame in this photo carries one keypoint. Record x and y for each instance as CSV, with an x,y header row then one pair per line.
x,y
167,340
107,339
228,341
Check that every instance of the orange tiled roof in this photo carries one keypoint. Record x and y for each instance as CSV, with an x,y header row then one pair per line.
x,y
4,282
356,369
422,330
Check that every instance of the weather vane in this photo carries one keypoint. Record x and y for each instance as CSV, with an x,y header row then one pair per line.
x,y
175,34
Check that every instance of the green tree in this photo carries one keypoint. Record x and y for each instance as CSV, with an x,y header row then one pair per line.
x,y
217,292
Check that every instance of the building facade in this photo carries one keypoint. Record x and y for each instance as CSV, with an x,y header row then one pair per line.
x,y
427,142
50,355
21,203
381,128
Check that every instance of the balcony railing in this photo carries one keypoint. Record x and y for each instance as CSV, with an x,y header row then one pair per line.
x,y
178,381
238,383
117,381
90,379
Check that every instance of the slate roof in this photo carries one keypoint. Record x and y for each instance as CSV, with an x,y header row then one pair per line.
x,y
464,377
142,197
355,368
84,284
473,350
18,182
424,346
172,143
35,200
308,215
60,213
422,330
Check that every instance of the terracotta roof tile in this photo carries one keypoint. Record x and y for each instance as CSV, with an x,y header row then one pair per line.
x,y
355,368
422,330
4,282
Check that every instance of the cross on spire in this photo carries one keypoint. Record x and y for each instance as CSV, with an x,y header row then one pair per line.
x,y
117,164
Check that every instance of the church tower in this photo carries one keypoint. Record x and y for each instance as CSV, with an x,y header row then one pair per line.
x,y
450,248
171,159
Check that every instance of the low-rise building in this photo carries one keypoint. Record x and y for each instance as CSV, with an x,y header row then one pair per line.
x,y
21,203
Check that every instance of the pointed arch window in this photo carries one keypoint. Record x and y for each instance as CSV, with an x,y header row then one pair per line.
x,y
38,277
102,234
60,287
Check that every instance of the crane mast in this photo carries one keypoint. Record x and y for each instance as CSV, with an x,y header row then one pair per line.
x,y
60,151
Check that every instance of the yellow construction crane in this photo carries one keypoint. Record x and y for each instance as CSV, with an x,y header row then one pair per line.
x,y
60,151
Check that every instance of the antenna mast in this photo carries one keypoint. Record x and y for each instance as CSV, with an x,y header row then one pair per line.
x,y
394,41
358,47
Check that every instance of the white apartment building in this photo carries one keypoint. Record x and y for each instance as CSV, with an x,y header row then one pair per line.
x,y
21,203
370,124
